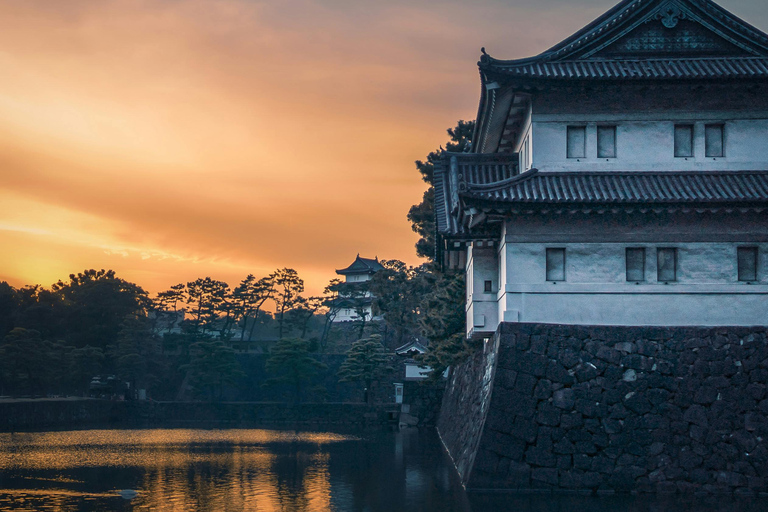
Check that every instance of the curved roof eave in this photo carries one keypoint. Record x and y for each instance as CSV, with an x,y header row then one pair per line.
x,y
477,133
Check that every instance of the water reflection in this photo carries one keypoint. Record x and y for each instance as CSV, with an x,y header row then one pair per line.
x,y
182,469
264,470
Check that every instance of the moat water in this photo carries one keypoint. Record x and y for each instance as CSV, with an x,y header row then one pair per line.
x,y
268,470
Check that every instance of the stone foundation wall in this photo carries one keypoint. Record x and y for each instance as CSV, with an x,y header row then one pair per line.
x,y
614,409
465,407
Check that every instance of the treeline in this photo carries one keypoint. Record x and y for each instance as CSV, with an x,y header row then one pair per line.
x,y
182,343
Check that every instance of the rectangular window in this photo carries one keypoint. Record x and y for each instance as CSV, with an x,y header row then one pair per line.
x,y
555,264
488,286
713,140
606,142
667,264
636,264
683,140
747,257
577,141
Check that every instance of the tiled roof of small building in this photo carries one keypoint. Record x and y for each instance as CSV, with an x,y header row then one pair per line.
x,y
700,187
411,346
362,266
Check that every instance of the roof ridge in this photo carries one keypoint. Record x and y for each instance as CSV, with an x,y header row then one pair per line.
x,y
639,68
616,187
626,10
529,175
363,265
654,59
647,173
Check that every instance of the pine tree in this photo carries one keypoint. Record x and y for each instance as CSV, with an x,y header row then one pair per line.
x,y
367,361
422,215
212,366
290,360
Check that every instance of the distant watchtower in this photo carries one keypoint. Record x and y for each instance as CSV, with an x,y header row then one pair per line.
x,y
359,297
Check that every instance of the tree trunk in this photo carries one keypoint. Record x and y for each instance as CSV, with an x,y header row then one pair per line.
x,y
280,323
306,324
362,326
254,322
246,313
324,335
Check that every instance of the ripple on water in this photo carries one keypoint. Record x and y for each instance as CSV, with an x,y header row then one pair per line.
x,y
232,470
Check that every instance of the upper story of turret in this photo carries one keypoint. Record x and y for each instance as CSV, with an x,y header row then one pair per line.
x,y
361,270
652,85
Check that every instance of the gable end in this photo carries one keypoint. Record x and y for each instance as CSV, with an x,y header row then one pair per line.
x,y
672,28
683,38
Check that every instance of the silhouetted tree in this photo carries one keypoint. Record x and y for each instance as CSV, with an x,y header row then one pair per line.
x,y
42,310
290,360
92,306
84,364
207,300
166,307
288,286
27,362
249,296
9,308
333,304
302,313
443,322
398,290
212,366
367,361
137,353
422,215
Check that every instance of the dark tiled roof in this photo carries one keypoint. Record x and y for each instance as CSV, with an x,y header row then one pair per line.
x,y
628,14
412,346
362,266
745,67
694,187
701,40
455,172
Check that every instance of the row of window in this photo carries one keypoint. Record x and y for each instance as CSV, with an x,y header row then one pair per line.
x,y
577,141
666,264
714,141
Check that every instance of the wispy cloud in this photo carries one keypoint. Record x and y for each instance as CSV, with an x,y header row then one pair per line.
x,y
174,139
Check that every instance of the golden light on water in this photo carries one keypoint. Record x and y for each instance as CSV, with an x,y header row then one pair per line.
x,y
140,448
182,469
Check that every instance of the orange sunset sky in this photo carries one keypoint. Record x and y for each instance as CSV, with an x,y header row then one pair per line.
x,y
176,139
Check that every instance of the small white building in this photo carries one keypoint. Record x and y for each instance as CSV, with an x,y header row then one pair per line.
x,y
619,178
413,371
357,298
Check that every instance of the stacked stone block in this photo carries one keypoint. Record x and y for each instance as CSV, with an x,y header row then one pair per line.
x,y
625,409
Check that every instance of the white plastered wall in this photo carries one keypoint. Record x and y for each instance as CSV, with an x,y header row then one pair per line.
x,y
707,291
481,306
647,144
